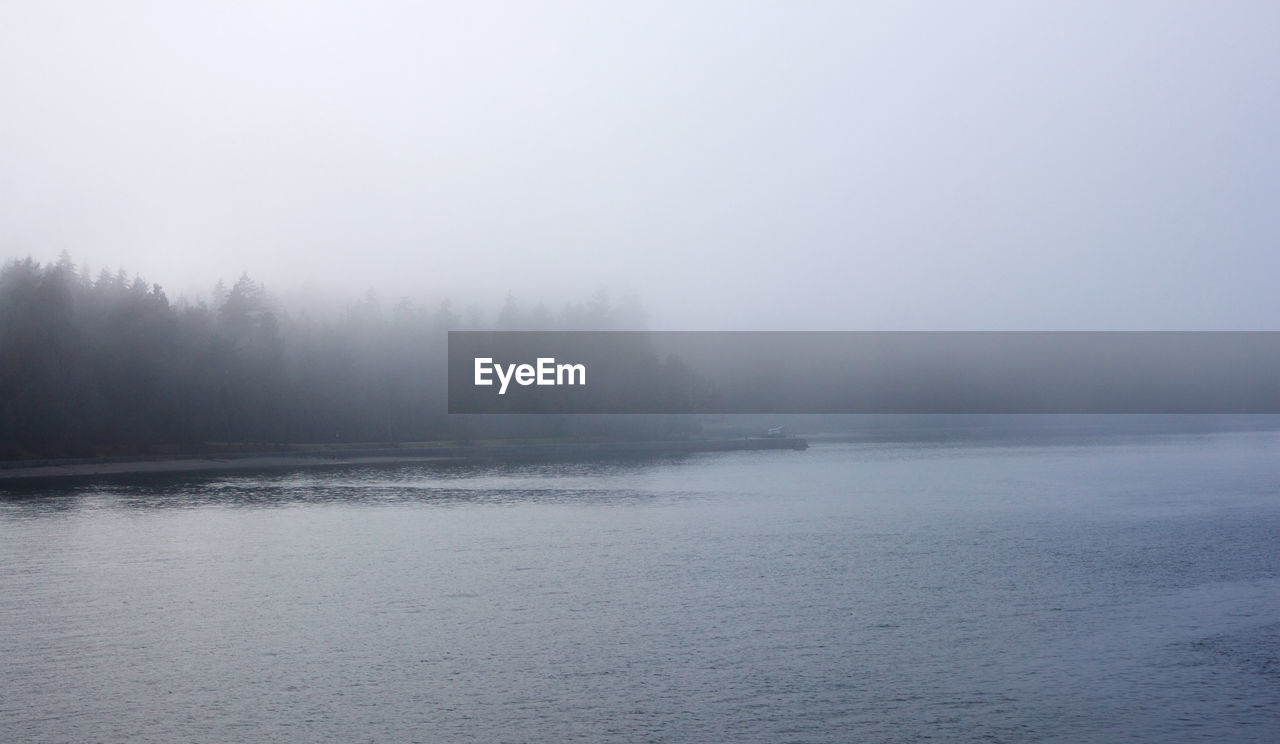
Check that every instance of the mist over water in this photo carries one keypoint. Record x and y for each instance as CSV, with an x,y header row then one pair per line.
x,y
245,227
1076,590
740,166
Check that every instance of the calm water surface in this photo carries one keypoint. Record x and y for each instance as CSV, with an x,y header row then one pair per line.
x,y
1120,590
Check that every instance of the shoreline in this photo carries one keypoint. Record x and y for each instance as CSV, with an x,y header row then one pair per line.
x,y
233,462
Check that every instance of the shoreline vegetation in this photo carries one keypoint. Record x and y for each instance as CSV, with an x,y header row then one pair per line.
x,y
103,365
303,456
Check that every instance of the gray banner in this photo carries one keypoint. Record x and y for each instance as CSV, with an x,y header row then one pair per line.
x,y
864,372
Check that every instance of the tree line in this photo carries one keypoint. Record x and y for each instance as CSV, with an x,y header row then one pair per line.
x,y
108,365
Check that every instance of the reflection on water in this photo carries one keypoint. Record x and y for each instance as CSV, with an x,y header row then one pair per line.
x,y
1074,592
439,484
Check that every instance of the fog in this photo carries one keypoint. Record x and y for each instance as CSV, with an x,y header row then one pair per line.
x,y
755,166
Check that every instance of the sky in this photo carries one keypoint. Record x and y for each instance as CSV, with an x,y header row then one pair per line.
x,y
736,165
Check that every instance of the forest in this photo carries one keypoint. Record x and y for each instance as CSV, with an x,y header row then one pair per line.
x,y
107,365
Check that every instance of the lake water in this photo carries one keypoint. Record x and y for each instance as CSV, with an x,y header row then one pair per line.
x,y
1123,589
